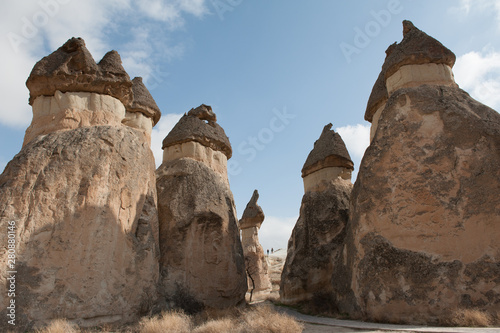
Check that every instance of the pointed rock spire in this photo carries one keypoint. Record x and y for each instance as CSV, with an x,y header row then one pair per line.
x,y
143,102
199,125
253,216
329,151
71,68
416,48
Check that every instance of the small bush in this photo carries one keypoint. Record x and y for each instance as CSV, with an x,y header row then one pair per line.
x,y
174,322
264,319
59,326
217,326
471,318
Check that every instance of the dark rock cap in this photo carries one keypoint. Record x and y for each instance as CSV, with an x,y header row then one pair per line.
x,y
199,125
253,216
416,48
72,68
329,151
143,102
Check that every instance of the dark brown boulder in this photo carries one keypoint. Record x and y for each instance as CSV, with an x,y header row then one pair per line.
x,y
71,68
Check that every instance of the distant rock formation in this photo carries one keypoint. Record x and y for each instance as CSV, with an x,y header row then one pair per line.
x,y
426,203
255,260
315,249
202,263
82,195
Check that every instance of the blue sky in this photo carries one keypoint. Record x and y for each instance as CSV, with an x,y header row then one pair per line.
x,y
275,72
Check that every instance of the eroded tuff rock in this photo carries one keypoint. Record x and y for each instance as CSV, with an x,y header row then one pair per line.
x,y
202,263
143,102
255,260
315,248
426,204
69,90
72,68
416,48
87,229
82,195
199,125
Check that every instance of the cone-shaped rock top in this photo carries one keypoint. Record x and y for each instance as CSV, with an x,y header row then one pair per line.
x,y
329,151
199,125
416,48
142,101
71,68
253,216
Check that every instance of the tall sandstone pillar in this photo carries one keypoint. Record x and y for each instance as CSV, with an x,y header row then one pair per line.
x,y
315,249
255,260
202,262
425,213
82,196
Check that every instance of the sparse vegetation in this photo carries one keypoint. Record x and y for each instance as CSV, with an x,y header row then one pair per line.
x,y
471,318
59,326
174,322
257,319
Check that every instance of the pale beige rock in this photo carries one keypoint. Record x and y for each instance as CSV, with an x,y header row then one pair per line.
x,y
202,263
320,180
255,260
415,75
66,111
424,227
84,204
215,160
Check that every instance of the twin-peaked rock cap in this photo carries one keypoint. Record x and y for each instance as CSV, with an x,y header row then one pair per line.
x,y
253,216
143,102
416,48
329,151
71,68
199,125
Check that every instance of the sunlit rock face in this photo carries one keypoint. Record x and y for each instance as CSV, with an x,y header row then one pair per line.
x,y
202,263
82,195
424,227
255,260
315,247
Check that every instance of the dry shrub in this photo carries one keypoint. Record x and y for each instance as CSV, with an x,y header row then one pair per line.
x,y
264,319
174,322
471,318
59,326
217,326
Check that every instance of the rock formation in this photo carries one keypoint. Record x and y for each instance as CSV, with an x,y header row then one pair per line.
x,y
315,249
82,196
255,260
426,204
202,261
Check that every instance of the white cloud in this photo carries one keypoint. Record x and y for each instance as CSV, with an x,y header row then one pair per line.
x,y
466,7
276,231
34,28
160,131
479,74
357,139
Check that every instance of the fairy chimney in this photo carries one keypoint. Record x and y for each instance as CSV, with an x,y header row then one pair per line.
x,y
255,260
87,237
201,253
425,207
316,244
328,161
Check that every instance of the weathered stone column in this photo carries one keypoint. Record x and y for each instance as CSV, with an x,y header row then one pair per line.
x,y
315,249
82,195
202,262
426,204
255,260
